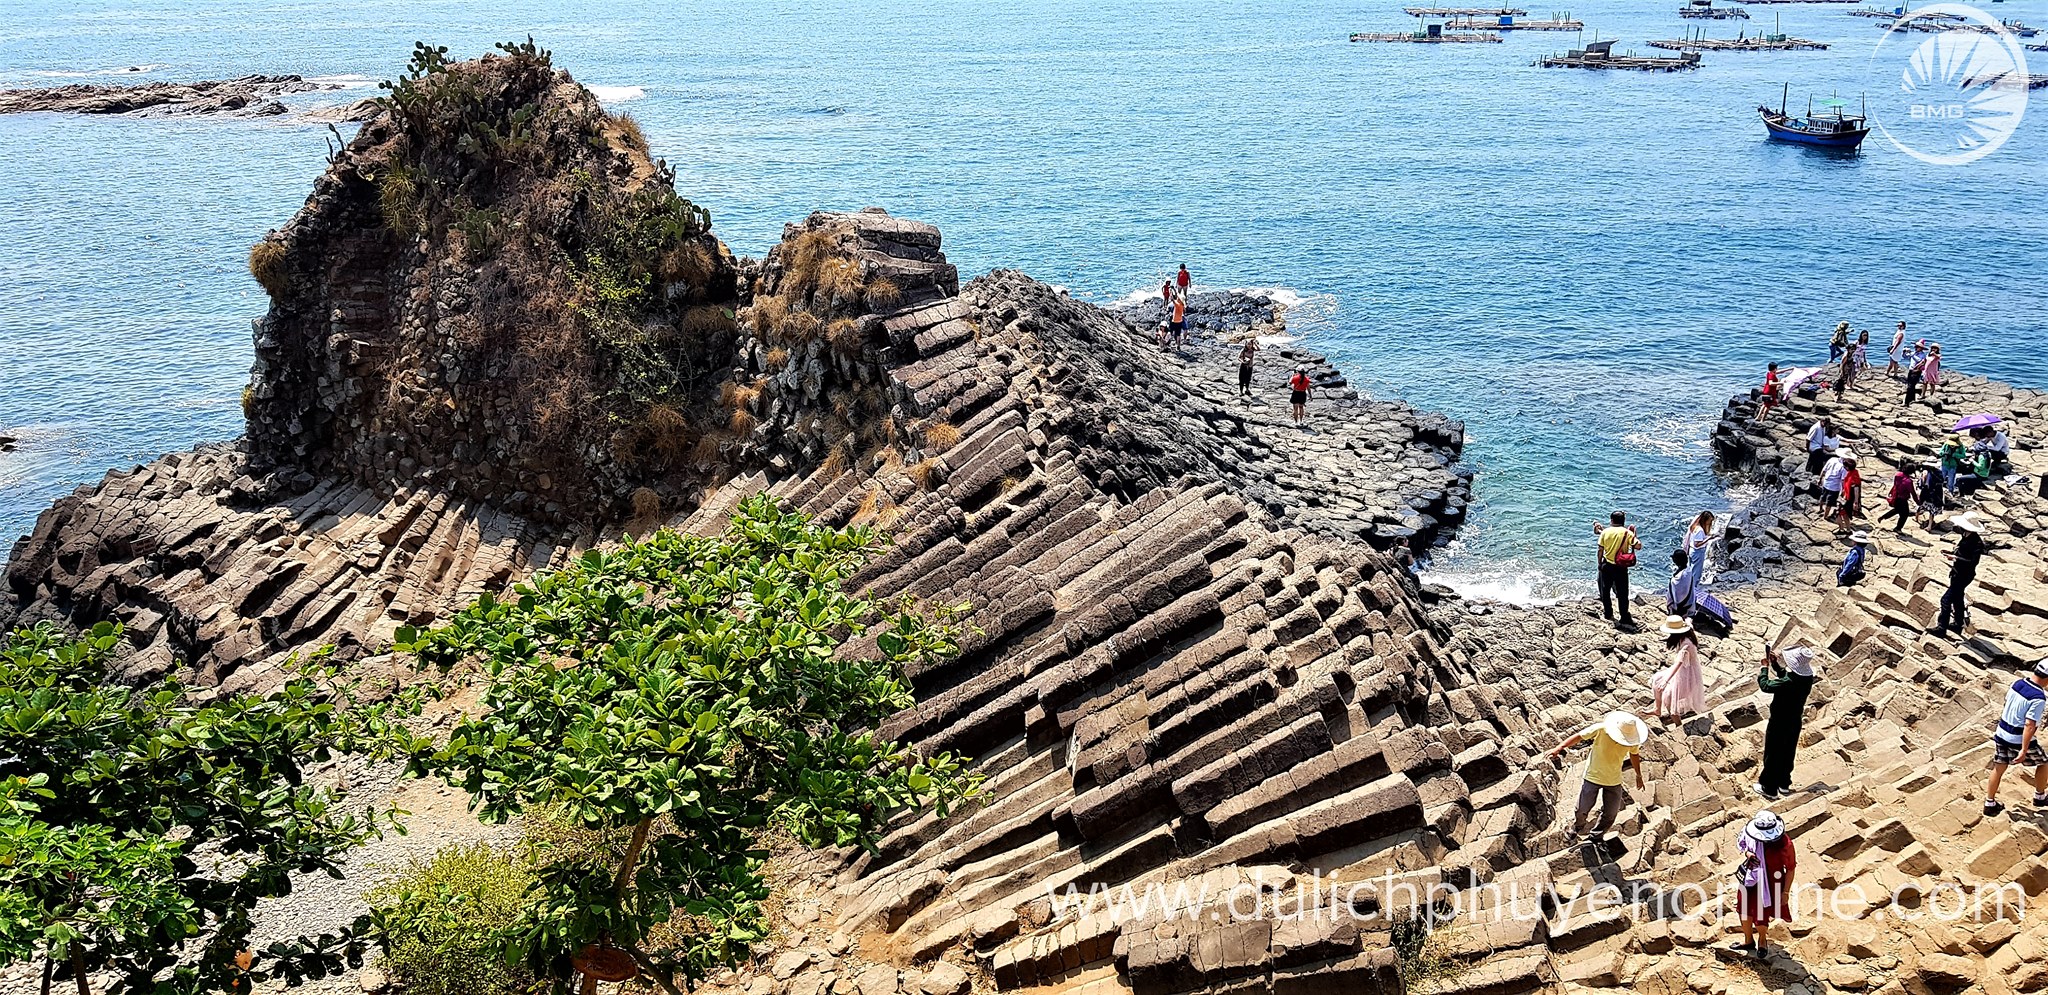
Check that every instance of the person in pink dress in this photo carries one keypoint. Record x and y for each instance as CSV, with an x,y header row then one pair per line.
x,y
1930,374
1679,690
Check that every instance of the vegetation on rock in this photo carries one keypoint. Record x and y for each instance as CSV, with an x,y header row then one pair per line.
x,y
442,917
138,822
675,699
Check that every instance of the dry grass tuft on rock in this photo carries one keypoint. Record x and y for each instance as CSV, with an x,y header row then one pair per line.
x,y
267,265
941,435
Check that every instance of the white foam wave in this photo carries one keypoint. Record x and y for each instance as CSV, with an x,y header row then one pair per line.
x,y
1675,437
344,81
149,67
616,94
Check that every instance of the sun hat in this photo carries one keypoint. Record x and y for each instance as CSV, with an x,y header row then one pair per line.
x,y
2041,666
1849,457
1967,521
1626,729
1859,537
1675,625
1798,659
1766,827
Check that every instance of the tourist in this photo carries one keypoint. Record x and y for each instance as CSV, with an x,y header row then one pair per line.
x,y
1821,442
1769,398
1955,602
1952,457
1997,450
1765,877
1915,369
1852,363
1900,500
1787,676
1244,366
1616,739
1177,328
1851,506
1300,386
1831,479
2017,739
1166,293
1930,371
1896,353
1618,546
1854,564
1679,690
1698,537
1933,493
1838,343
1682,597
1182,280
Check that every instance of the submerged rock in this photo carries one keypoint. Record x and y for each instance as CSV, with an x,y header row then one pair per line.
x,y
246,96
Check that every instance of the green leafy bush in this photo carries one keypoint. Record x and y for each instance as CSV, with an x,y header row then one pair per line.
x,y
443,917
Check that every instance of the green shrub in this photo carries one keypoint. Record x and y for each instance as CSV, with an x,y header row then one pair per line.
x,y
442,918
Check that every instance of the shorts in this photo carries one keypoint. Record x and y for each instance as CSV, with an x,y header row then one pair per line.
x,y
2003,752
1299,397
1176,327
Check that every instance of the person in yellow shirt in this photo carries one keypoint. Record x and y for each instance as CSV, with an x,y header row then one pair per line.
x,y
1616,739
1618,546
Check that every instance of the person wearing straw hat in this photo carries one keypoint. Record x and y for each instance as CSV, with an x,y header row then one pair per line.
x,y
1787,676
1678,690
1764,880
1970,547
1855,562
1915,369
1616,739
2016,738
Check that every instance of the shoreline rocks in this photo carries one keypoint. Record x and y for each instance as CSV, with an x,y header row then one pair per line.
x,y
242,97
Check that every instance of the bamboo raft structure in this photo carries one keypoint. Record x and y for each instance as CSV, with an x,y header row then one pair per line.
x,y
1760,43
1937,23
1505,24
1425,37
1465,11
1802,1
1713,13
1600,55
2034,82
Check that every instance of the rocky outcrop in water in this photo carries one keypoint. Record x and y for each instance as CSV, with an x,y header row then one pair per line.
x,y
243,97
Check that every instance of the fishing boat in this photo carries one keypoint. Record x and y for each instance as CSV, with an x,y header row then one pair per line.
x,y
1833,131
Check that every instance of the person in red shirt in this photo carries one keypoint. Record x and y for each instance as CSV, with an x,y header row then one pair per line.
x,y
1900,499
1851,507
1770,397
1182,279
1166,292
1764,876
1301,386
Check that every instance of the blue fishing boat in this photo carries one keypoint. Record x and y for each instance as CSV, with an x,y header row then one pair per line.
x,y
1838,130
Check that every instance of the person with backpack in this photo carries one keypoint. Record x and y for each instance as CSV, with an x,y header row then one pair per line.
x,y
2017,737
1299,387
1900,500
1855,562
1764,879
1788,677
1933,493
1616,739
1618,547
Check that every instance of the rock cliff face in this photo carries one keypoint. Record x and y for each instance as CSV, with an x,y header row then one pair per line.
x,y
246,96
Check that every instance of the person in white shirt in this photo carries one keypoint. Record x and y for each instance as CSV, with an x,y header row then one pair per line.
x,y
1821,442
1831,485
1897,352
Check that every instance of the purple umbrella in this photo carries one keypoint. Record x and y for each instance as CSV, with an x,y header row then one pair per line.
x,y
1974,421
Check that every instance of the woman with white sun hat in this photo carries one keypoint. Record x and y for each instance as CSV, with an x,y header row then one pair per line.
x,y
1616,739
1679,689
1764,879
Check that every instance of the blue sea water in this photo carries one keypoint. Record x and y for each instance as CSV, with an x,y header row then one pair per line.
x,y
1582,265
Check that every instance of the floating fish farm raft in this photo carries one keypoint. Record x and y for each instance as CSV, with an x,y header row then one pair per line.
x,y
1428,37
1760,43
1509,24
1600,55
1465,11
1704,13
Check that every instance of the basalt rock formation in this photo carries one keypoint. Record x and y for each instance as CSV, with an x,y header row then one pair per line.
x,y
246,96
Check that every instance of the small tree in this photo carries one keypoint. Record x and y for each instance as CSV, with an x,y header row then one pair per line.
x,y
674,698
136,821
